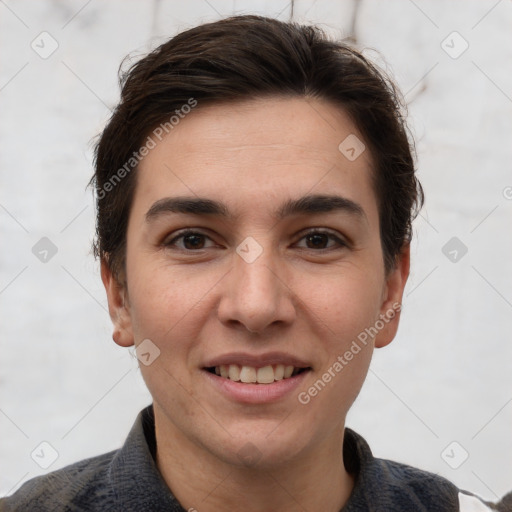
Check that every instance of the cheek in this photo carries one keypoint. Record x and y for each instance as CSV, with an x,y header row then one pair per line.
x,y
168,307
341,309
345,302
348,304
164,297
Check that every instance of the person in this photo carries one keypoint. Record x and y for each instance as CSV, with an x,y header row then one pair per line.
x,y
255,189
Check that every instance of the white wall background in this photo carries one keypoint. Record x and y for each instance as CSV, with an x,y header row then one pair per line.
x,y
447,376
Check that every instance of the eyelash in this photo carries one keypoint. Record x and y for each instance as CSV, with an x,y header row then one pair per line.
x,y
181,235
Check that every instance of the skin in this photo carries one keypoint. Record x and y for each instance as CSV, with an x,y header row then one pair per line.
x,y
195,304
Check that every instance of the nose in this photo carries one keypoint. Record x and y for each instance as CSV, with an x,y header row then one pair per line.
x,y
256,295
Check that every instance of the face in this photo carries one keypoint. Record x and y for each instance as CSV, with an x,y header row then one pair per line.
x,y
253,250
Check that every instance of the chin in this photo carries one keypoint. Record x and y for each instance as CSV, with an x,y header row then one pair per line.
x,y
264,446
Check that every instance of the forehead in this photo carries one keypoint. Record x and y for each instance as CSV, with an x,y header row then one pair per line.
x,y
249,153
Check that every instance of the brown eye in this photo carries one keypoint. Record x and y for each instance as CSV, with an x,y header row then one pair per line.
x,y
317,241
189,241
321,240
195,241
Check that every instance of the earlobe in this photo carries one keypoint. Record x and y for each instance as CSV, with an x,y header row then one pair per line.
x,y
118,307
392,299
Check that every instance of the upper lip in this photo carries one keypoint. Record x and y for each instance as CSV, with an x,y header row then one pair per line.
x,y
256,360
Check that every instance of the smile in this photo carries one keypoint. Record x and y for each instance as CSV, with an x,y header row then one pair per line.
x,y
252,375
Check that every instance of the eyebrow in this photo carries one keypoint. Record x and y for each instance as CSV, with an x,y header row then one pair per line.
x,y
306,205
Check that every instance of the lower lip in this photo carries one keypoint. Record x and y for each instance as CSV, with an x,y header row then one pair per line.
x,y
256,393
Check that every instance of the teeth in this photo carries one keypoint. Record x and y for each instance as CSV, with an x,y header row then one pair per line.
x,y
249,374
234,372
265,375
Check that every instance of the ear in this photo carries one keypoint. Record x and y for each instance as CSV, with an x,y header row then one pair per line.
x,y
118,307
392,299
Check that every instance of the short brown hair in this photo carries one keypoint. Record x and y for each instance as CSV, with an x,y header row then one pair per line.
x,y
242,58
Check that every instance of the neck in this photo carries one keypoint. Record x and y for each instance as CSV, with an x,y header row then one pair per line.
x,y
201,481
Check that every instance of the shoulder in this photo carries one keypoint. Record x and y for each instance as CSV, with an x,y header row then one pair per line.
x,y
433,492
80,486
383,485
409,488
416,489
125,480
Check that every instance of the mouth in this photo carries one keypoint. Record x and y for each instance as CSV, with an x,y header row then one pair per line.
x,y
256,375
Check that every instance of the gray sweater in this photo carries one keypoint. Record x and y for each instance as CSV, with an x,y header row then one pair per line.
x,y
128,480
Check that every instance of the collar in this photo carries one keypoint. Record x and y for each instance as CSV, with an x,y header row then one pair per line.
x,y
135,480
380,485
